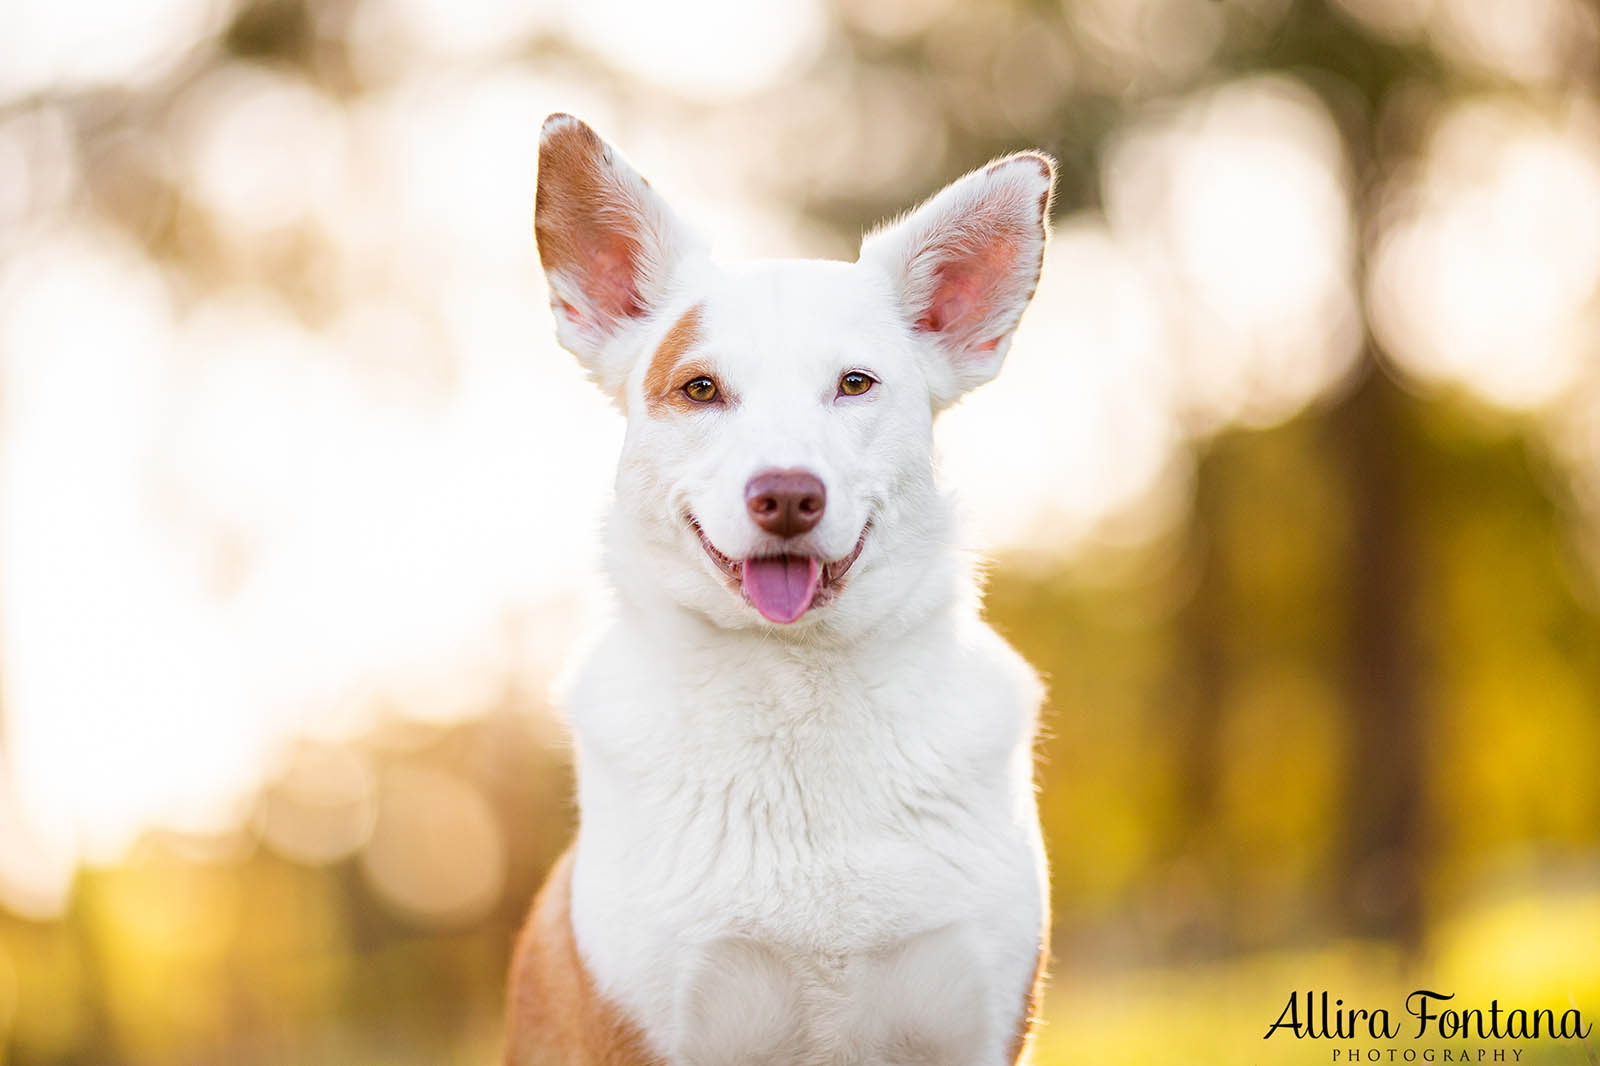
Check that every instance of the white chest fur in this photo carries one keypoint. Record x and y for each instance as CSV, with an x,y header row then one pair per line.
x,y
810,855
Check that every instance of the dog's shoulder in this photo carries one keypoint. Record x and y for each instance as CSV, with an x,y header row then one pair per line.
x,y
989,687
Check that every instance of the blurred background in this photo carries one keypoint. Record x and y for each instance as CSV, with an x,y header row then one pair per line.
x,y
1292,488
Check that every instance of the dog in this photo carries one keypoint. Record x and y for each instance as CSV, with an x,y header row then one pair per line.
x,y
807,831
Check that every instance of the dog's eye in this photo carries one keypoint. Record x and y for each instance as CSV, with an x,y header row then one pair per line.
x,y
854,383
701,390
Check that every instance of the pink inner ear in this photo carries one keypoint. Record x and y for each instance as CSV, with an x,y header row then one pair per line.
x,y
968,292
609,277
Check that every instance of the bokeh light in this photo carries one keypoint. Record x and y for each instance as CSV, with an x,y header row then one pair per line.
x,y
436,853
1487,276
87,46
1236,203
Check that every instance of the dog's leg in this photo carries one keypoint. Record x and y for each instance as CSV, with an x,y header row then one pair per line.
x,y
740,1004
924,1003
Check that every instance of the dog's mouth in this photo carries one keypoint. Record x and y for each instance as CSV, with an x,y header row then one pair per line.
x,y
782,587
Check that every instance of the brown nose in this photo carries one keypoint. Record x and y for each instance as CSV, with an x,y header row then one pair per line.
x,y
785,502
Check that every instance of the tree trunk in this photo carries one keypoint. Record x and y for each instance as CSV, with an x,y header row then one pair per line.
x,y
1380,858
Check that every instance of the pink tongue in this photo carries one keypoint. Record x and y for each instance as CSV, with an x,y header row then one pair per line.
x,y
781,588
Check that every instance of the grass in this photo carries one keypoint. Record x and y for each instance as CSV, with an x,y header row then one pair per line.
x,y
1533,950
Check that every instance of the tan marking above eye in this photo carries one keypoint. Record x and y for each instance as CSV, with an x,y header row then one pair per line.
x,y
666,372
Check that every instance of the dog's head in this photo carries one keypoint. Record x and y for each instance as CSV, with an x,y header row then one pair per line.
x,y
778,462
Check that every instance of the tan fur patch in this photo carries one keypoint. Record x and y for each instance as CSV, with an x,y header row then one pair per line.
x,y
556,1017
664,375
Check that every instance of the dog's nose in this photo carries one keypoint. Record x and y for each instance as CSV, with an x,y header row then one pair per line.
x,y
785,502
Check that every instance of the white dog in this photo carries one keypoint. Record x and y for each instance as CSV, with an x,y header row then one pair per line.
x,y
808,828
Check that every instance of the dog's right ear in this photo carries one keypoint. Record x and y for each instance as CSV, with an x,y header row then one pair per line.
x,y
609,246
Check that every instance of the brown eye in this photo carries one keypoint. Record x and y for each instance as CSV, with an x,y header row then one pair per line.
x,y
701,390
854,383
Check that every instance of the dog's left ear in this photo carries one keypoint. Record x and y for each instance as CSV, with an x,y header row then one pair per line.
x,y
610,246
964,266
